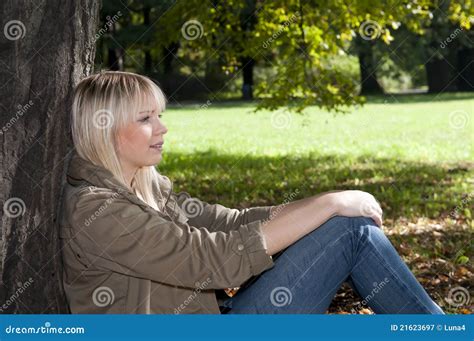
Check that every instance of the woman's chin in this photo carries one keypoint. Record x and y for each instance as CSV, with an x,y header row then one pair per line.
x,y
155,159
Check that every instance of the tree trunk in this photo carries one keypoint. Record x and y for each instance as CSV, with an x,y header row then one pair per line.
x,y
440,74
169,54
116,54
369,85
148,59
45,53
247,71
248,20
465,69
115,60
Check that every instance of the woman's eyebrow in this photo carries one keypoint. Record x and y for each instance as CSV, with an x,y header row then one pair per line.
x,y
146,111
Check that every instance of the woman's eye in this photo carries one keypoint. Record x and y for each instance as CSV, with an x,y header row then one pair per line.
x,y
147,118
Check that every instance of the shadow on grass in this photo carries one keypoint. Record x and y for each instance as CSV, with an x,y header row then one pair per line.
x,y
405,189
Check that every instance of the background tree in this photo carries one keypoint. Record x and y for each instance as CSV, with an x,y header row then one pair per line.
x,y
215,46
436,52
40,66
447,46
369,84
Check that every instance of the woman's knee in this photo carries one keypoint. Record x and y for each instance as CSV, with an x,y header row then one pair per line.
x,y
347,223
332,230
358,225
339,222
364,221
338,226
365,228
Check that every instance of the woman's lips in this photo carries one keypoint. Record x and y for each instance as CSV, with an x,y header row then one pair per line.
x,y
158,146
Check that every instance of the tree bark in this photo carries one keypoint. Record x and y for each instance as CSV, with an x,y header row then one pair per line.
x,y
247,71
148,59
369,84
169,54
465,69
440,75
248,20
48,48
116,54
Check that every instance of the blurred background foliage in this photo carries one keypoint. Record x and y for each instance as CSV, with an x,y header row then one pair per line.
x,y
291,53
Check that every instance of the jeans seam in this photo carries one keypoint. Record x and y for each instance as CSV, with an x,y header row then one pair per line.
x,y
395,275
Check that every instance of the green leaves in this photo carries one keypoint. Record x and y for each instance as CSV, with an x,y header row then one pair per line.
x,y
294,38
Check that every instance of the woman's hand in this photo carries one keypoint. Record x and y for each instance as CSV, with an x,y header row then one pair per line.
x,y
356,203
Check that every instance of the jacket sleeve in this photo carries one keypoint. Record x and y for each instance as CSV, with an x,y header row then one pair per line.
x,y
216,217
138,241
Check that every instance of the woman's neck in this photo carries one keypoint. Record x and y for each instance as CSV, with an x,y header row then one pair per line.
x,y
129,175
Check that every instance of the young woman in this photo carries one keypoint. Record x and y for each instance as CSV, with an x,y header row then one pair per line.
x,y
132,245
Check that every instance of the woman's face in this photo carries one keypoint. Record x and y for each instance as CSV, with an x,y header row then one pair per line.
x,y
140,142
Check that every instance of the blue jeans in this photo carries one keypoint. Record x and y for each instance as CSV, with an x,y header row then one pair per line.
x,y
307,274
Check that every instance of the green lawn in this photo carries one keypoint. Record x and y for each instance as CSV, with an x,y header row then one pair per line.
x,y
413,153
407,152
410,131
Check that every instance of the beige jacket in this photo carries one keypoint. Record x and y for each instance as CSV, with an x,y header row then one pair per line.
x,y
122,256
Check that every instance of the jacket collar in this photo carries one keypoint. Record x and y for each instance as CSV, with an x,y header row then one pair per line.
x,y
84,172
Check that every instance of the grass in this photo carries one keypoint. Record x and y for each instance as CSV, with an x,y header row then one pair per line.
x,y
409,154
399,128
413,153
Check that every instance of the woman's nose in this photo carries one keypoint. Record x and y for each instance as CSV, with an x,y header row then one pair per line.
x,y
165,129
160,128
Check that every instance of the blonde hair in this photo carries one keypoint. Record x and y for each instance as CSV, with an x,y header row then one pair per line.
x,y
103,103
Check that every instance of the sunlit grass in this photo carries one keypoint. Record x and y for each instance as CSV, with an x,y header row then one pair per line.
x,y
409,152
413,153
416,131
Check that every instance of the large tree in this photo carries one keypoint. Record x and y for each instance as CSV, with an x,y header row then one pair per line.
x,y
45,49
297,39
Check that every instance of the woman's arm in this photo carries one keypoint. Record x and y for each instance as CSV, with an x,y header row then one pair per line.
x,y
114,234
216,217
290,222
